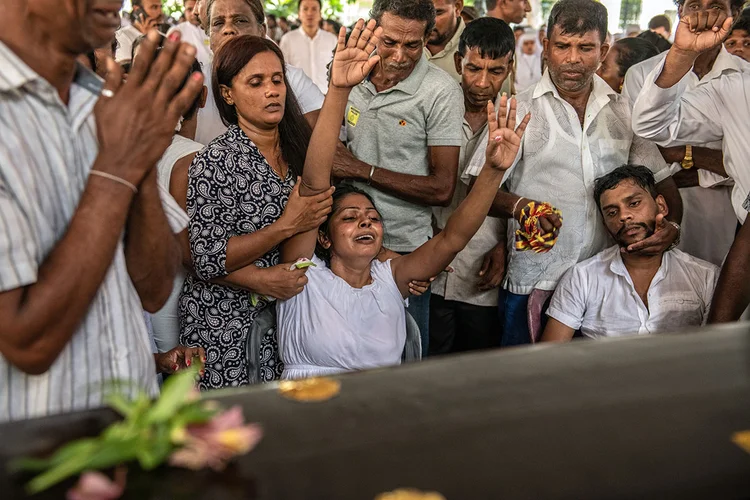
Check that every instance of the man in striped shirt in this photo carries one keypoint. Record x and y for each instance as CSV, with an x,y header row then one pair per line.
x,y
86,237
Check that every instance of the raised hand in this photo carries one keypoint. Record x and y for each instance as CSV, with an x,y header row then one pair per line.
x,y
504,138
135,120
702,31
354,60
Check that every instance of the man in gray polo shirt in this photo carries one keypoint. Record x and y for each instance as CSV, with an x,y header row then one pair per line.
x,y
403,126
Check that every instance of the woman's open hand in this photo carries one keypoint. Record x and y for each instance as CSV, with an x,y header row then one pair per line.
x,y
504,138
354,60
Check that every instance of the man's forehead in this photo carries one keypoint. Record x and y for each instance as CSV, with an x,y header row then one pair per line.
x,y
474,56
442,4
230,8
394,25
557,35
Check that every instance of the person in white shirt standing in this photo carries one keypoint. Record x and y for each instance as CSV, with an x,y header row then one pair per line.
x,y
579,131
698,168
230,18
193,34
463,306
309,47
617,293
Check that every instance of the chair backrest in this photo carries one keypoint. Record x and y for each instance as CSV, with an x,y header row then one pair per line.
x,y
413,345
538,303
264,321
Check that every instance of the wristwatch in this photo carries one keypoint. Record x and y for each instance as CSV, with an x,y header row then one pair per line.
x,y
687,162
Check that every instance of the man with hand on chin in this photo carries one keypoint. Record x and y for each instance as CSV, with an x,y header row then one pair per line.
x,y
617,293
579,131
87,238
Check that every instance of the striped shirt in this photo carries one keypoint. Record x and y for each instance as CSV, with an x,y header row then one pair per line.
x,y
47,150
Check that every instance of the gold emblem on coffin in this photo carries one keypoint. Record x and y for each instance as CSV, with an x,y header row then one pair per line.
x,y
410,494
310,390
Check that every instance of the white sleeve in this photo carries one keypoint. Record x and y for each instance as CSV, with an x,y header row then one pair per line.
x,y
674,117
643,152
176,216
308,94
568,304
124,47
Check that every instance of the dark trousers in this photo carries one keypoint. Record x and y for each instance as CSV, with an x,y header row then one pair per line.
x,y
419,308
458,326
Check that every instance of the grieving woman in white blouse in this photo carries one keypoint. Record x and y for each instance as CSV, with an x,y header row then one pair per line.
x,y
616,293
351,314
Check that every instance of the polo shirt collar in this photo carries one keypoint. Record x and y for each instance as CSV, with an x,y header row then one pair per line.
x,y
412,83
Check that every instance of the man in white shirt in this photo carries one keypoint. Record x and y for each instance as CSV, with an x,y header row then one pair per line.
x,y
463,306
667,112
77,172
698,169
193,34
309,47
579,131
145,16
229,18
617,293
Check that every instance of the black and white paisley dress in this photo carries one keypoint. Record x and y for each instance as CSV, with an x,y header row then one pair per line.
x,y
232,191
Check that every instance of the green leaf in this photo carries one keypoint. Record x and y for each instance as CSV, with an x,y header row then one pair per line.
x,y
174,394
304,264
77,457
157,449
117,402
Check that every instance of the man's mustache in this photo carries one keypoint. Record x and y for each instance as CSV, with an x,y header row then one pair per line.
x,y
628,227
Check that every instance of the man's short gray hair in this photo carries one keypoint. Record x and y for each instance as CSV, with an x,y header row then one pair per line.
x,y
417,10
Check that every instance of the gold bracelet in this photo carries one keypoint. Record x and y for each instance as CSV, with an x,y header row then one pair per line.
x,y
119,180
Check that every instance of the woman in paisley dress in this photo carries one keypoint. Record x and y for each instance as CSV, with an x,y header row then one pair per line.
x,y
243,202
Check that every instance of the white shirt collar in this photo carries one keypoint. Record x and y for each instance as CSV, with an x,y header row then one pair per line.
x,y
725,63
545,85
617,266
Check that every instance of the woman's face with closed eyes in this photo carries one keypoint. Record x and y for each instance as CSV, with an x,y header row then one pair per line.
x,y
258,92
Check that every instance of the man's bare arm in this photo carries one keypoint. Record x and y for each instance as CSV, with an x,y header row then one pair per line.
x,y
732,294
435,189
704,158
39,319
152,252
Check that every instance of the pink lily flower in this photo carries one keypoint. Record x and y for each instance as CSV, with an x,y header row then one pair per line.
x,y
94,485
216,442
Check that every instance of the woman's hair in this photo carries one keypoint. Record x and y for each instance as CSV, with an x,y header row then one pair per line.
x,y
633,51
231,58
341,192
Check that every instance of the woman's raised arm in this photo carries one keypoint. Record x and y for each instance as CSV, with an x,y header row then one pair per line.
x,y
351,64
503,146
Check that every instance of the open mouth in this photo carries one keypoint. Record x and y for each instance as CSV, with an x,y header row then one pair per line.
x,y
366,238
